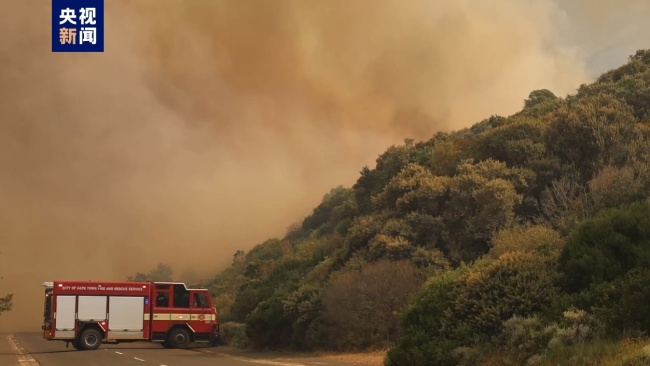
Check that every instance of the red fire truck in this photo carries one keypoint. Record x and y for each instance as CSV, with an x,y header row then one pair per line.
x,y
89,313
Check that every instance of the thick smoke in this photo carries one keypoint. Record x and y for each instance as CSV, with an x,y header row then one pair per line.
x,y
209,126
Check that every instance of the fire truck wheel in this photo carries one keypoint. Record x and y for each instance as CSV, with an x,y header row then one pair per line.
x,y
90,339
179,338
76,345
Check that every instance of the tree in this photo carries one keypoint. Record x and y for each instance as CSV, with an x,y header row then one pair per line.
x,y
592,133
162,273
389,164
6,302
337,206
540,103
537,97
515,143
463,211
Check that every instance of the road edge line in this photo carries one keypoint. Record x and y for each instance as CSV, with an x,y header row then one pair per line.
x,y
24,358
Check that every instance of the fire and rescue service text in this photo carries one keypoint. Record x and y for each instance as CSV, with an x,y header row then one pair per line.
x,y
101,288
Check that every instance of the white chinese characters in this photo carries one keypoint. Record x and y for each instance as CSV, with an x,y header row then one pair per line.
x,y
67,15
87,16
88,35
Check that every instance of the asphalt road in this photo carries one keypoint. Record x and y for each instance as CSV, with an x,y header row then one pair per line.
x,y
29,349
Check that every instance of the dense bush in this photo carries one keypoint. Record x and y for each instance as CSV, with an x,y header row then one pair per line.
x,y
305,307
533,340
468,306
515,143
234,334
622,304
593,132
361,308
607,246
538,239
517,283
429,335
268,326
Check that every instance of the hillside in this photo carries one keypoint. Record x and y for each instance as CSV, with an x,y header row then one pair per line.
x,y
521,236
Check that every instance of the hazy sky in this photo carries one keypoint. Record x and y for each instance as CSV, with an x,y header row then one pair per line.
x,y
209,126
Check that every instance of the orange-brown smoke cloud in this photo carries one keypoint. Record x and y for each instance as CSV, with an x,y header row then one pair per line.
x,y
209,126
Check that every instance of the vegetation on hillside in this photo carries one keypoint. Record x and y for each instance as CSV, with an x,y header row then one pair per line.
x,y
520,239
162,273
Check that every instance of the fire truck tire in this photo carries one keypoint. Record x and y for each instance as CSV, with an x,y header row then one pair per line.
x,y
90,339
179,338
76,345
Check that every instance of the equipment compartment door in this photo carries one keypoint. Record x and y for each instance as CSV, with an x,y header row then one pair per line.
x,y
64,316
91,308
125,317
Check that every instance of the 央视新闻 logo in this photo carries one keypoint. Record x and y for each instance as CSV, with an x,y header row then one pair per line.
x,y
77,25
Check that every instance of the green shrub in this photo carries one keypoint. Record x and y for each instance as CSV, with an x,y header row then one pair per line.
x,y
539,341
525,335
234,334
468,307
304,308
224,303
576,328
268,326
607,246
539,239
622,304
428,335
517,283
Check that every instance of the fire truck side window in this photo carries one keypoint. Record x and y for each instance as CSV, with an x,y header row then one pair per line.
x,y
200,300
181,297
162,299
162,295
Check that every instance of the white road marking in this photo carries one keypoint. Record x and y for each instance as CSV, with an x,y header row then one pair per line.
x,y
139,359
24,358
119,353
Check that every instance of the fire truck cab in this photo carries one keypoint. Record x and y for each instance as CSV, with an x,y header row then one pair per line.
x,y
89,313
